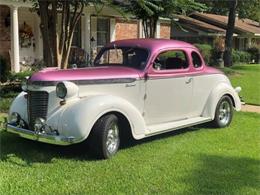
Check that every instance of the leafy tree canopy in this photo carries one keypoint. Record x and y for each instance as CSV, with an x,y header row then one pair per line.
x,y
245,8
58,34
149,11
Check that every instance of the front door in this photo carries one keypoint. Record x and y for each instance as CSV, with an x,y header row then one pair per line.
x,y
168,89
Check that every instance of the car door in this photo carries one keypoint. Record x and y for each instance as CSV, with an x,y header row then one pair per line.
x,y
168,88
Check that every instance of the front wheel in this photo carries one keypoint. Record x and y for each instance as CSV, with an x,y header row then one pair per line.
x,y
223,113
104,139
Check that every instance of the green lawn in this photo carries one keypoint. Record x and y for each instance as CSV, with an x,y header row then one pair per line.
x,y
248,77
192,161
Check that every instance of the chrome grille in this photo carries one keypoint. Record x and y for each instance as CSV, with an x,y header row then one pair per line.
x,y
37,106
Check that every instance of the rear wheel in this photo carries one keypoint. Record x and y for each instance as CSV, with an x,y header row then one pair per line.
x,y
223,113
104,139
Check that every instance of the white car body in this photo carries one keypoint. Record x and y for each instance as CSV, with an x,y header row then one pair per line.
x,y
151,101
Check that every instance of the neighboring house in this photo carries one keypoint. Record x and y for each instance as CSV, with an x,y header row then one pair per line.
x,y
195,31
203,28
20,36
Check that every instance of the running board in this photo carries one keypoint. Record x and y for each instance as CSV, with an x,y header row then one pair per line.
x,y
165,127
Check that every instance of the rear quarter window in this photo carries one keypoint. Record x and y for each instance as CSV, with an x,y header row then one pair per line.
x,y
196,59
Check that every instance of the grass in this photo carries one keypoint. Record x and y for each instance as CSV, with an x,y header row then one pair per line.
x,y
197,160
248,77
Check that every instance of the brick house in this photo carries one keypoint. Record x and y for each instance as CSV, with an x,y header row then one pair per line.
x,y
92,32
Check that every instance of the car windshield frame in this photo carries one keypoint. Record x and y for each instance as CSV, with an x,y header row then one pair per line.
x,y
116,47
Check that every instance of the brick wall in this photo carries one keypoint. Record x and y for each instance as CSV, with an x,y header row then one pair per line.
x,y
5,39
126,29
165,31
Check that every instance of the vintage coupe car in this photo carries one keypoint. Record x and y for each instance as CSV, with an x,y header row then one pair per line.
x,y
140,87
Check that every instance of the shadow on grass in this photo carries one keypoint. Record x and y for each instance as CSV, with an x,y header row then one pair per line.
x,y
35,152
224,175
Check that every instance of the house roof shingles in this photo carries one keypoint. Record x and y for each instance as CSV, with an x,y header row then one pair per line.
x,y
200,24
241,25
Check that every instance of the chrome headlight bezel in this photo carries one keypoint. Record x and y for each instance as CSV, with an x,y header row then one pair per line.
x,y
61,90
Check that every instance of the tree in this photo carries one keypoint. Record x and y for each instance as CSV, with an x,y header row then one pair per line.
x,y
244,9
57,43
229,33
149,11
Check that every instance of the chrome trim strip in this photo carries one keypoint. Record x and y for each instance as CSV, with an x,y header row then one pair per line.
x,y
179,76
41,137
86,82
105,81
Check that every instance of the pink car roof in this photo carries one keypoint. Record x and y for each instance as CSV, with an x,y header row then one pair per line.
x,y
152,44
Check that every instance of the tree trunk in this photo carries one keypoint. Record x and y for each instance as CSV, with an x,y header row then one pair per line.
x,y
149,26
44,26
229,33
56,45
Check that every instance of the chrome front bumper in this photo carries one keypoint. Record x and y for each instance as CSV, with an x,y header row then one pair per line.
x,y
41,137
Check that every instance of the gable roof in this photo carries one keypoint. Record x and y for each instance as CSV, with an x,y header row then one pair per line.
x,y
197,24
242,26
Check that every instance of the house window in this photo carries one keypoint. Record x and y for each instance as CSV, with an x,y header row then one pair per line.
x,y
76,41
103,32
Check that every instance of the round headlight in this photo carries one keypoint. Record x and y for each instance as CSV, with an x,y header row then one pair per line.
x,y
61,90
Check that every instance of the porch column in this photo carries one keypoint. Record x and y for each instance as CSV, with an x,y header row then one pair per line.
x,y
158,30
15,38
249,42
140,28
112,29
86,33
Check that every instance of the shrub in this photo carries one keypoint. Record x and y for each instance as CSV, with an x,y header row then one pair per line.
x,y
241,56
235,56
19,76
206,51
255,54
216,57
3,69
245,56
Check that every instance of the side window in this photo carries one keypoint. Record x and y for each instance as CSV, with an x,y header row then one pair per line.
x,y
168,60
196,60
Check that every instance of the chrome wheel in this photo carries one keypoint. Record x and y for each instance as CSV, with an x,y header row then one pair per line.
x,y
112,141
224,112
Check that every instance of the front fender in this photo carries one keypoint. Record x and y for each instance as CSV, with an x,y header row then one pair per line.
x,y
80,116
19,105
220,90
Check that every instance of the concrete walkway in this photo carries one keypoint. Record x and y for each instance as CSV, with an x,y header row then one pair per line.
x,y
250,108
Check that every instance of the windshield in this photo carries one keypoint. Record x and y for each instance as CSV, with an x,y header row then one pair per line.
x,y
133,57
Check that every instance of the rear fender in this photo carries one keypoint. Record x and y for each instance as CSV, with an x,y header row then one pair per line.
x,y
220,90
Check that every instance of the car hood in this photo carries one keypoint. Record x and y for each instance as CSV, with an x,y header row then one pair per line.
x,y
90,73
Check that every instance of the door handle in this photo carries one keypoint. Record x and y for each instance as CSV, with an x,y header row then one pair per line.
x,y
188,80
